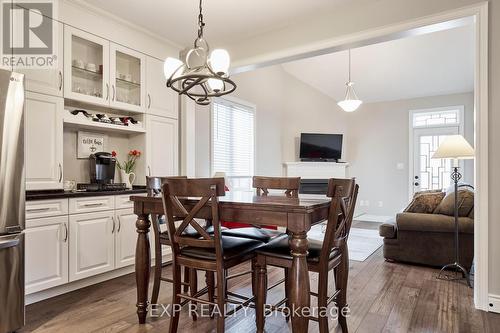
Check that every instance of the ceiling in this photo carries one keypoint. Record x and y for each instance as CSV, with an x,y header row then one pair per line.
x,y
438,63
226,21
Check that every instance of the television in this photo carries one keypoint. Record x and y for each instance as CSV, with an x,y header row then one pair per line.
x,y
320,147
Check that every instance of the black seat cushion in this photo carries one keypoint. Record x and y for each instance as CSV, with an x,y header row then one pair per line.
x,y
280,248
260,234
233,247
191,232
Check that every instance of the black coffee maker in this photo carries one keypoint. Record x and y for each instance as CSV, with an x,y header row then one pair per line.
x,y
102,168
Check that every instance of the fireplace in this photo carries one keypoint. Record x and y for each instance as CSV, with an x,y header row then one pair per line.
x,y
313,186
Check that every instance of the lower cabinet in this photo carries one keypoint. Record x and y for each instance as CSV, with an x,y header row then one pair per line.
x,y
92,244
126,238
46,253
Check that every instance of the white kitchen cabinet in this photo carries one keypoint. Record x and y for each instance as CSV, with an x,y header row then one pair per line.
x,y
127,78
91,204
92,245
162,143
44,142
46,256
126,238
86,67
160,100
49,80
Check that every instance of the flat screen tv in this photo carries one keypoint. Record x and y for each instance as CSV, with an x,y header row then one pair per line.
x,y
320,147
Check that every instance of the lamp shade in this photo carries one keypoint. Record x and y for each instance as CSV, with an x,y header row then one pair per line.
x,y
456,147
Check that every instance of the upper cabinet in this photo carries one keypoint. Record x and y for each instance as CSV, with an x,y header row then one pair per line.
x,y
161,101
48,81
86,67
127,78
103,73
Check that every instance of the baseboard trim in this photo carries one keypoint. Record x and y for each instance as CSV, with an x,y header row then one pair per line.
x,y
75,285
494,303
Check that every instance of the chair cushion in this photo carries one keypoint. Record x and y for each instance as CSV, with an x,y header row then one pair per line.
x,y
260,234
233,247
387,230
190,232
280,248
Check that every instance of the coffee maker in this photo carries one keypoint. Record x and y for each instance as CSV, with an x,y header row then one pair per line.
x,y
102,173
102,168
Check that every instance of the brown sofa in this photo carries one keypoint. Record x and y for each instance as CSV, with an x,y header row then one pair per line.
x,y
429,238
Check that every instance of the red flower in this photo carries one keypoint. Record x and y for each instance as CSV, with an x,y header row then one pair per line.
x,y
113,153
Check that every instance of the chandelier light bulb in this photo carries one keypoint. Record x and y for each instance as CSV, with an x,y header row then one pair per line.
x,y
219,61
170,66
215,84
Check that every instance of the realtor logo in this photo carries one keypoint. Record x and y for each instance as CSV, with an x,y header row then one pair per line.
x,y
28,34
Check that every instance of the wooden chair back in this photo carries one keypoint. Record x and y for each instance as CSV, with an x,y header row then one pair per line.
x,y
207,207
290,185
344,194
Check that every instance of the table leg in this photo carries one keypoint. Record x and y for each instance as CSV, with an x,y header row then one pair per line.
x,y
142,266
299,282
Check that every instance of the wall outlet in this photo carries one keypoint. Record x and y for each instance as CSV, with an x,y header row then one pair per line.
x,y
381,204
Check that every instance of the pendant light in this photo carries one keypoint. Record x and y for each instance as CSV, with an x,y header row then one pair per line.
x,y
351,101
200,76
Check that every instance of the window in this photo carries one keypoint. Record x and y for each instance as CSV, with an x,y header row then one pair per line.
x,y
233,152
435,118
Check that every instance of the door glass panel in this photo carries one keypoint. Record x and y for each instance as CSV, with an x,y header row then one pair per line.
x,y
87,68
434,173
128,79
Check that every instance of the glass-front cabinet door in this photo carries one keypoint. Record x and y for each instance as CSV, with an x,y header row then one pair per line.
x,y
127,77
86,67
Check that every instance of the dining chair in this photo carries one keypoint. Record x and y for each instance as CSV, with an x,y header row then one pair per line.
x,y
213,253
153,189
289,187
323,256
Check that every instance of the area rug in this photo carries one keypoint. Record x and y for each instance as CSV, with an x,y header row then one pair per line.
x,y
362,242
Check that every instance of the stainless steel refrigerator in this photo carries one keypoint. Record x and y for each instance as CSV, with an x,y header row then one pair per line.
x,y
12,200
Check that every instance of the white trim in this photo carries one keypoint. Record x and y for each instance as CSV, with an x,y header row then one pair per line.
x,y
481,200
494,303
411,129
412,27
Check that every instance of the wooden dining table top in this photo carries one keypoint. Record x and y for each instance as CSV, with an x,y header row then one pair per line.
x,y
304,203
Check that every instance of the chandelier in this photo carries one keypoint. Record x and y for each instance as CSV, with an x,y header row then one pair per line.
x,y
200,76
351,101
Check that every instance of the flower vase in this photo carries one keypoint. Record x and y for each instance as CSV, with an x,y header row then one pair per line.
x,y
127,178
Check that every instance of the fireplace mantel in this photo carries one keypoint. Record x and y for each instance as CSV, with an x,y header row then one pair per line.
x,y
316,170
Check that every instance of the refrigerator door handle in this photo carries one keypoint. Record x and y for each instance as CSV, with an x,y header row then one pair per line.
x,y
9,243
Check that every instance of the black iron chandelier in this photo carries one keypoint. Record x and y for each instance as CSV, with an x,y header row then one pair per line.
x,y
200,76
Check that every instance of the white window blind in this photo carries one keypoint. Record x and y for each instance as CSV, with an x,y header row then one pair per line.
x,y
233,139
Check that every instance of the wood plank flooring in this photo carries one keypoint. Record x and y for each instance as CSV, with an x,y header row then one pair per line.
x,y
383,297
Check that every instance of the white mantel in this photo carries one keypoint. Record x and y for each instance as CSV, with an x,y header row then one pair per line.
x,y
316,170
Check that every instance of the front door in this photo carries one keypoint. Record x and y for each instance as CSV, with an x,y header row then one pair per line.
x,y
428,173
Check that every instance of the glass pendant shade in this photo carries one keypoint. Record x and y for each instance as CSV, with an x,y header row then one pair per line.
x,y
351,102
170,66
215,84
219,61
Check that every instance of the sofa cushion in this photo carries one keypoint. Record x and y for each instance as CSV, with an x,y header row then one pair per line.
x,y
465,203
425,202
433,223
387,230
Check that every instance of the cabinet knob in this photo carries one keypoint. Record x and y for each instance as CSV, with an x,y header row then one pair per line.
x,y
416,184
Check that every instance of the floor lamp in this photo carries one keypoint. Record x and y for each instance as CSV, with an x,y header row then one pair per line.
x,y
455,147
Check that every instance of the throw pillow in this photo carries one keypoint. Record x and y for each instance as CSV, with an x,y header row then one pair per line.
x,y
425,202
465,203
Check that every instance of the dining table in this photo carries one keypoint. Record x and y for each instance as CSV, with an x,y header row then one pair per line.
x,y
297,215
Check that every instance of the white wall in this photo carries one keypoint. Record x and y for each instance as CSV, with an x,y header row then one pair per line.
x,y
379,139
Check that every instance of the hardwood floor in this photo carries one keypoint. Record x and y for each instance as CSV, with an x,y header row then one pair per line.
x,y
383,297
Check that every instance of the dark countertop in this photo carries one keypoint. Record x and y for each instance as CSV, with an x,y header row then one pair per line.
x,y
58,194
